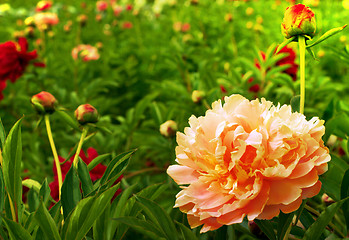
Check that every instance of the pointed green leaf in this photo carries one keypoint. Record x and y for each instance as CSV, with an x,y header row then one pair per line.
x,y
345,194
44,191
46,223
98,160
2,134
285,220
33,200
284,43
70,192
84,176
68,119
12,157
186,232
143,227
326,35
116,167
315,230
16,230
2,190
159,216
267,228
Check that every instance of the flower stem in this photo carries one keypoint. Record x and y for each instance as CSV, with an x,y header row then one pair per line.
x,y
55,155
83,135
301,41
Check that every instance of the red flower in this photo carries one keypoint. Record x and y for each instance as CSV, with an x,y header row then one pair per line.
x,y
14,59
95,174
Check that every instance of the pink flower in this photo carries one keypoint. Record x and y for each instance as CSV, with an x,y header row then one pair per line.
x,y
85,52
43,5
101,6
117,10
44,20
127,25
185,27
129,7
247,158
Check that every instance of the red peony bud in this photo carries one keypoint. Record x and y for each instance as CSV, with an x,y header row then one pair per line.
x,y
44,102
86,113
298,20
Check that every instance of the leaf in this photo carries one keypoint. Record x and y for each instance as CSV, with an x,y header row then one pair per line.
x,y
70,192
68,119
87,212
12,157
30,183
267,228
2,134
295,103
101,226
16,230
326,35
143,227
285,220
33,200
84,176
46,223
186,232
45,191
116,167
315,230
2,190
159,216
97,161
284,43
345,194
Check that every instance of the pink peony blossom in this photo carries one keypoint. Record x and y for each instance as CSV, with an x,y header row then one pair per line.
x,y
85,52
44,20
247,159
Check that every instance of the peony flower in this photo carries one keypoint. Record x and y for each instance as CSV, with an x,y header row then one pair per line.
x,y
101,6
44,20
247,159
127,25
85,52
298,20
95,174
43,5
44,102
86,113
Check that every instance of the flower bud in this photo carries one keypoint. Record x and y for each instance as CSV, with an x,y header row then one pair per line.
x,y
168,128
44,102
298,20
326,199
86,113
197,96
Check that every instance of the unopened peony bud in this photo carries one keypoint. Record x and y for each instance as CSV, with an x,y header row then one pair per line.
x,y
44,102
86,113
197,96
327,199
168,128
298,20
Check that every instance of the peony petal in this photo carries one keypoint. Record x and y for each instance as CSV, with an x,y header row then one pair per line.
x,y
182,174
283,192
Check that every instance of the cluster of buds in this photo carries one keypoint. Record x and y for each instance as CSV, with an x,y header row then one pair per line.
x,y
46,103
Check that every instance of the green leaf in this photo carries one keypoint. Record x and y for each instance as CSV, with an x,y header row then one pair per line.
x,y
68,119
312,54
326,35
285,220
116,167
101,226
295,103
30,183
70,192
143,227
12,157
315,230
33,200
186,232
45,191
46,223
284,43
2,134
97,161
159,216
16,231
87,212
84,176
345,194
267,228
2,190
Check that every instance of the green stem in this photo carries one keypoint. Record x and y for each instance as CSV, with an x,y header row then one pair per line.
x,y
301,41
83,135
55,155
